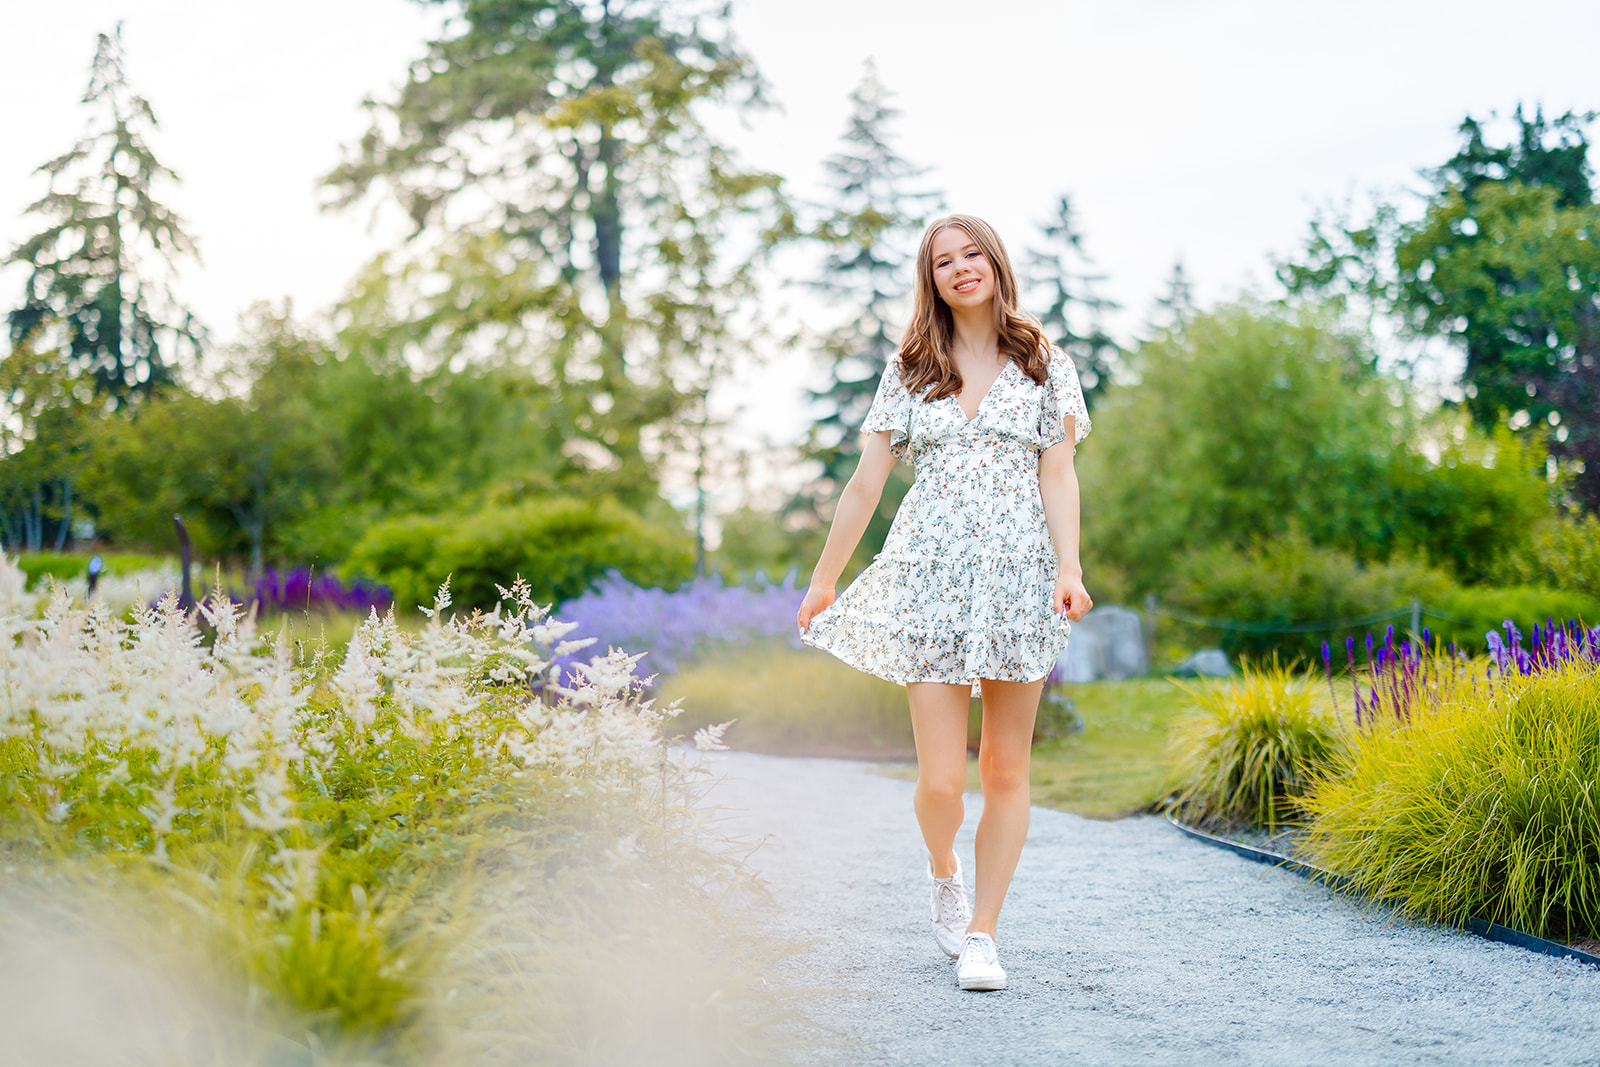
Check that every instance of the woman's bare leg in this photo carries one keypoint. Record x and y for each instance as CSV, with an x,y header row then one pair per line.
x,y
939,726
1009,709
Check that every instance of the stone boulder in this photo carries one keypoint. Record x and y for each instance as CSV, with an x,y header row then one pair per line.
x,y
1106,645
1206,663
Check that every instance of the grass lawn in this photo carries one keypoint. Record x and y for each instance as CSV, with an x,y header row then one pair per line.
x,y
1117,765
805,703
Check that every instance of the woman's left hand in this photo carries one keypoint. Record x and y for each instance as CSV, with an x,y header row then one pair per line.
x,y
1071,598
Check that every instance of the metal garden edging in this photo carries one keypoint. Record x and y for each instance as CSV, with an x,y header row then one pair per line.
x,y
1485,929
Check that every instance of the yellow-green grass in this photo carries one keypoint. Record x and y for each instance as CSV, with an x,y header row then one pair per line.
x,y
1484,804
806,703
1247,749
793,702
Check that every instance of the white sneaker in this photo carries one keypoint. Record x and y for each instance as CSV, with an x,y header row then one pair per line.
x,y
950,911
979,965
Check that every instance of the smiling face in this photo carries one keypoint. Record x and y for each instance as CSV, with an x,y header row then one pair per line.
x,y
962,274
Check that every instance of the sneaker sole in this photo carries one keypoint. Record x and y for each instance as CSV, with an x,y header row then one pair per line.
x,y
982,985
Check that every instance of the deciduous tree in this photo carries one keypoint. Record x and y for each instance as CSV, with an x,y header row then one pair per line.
x,y
556,152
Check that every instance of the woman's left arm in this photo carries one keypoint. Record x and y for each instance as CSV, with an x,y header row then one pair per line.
x,y
1058,488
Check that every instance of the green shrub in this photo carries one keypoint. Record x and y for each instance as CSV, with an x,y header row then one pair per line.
x,y
558,545
1465,615
1290,581
1476,505
1487,805
1249,749
1560,553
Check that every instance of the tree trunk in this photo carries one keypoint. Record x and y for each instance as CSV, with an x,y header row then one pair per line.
x,y
34,521
65,530
258,533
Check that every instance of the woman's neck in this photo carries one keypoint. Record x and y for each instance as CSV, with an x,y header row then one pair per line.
x,y
975,334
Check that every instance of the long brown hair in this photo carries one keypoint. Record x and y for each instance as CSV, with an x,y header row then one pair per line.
x,y
925,348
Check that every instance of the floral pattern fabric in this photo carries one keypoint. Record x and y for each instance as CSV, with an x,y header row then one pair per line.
x,y
961,590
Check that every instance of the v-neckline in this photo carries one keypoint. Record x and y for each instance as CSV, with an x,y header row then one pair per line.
x,y
981,400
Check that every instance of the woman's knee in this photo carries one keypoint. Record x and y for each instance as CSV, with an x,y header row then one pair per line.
x,y
944,786
1003,776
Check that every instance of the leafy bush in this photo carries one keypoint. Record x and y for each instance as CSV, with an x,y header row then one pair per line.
x,y
1475,505
558,545
1249,749
1484,803
1559,553
1290,581
1464,616
1251,421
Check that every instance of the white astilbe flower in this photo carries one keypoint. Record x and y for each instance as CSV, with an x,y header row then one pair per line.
x,y
357,684
293,877
142,710
709,738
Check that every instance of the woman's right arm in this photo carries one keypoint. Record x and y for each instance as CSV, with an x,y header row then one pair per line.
x,y
856,505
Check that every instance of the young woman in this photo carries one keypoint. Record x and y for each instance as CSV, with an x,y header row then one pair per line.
x,y
980,571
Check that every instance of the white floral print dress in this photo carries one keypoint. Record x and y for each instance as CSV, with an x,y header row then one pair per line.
x,y
961,590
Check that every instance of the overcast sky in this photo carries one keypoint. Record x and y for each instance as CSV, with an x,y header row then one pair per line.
x,y
1182,128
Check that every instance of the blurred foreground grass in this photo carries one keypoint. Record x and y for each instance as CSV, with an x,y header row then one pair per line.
x,y
802,702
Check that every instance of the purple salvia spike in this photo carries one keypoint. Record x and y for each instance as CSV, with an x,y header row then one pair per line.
x,y
1388,637
1350,651
1427,638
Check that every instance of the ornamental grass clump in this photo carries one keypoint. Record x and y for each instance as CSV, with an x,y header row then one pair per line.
x,y
1247,750
375,850
1483,800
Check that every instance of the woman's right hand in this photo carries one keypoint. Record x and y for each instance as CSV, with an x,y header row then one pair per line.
x,y
817,600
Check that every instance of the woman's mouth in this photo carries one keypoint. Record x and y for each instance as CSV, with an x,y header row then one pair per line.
x,y
966,286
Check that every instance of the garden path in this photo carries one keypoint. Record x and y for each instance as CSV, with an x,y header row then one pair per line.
x,y
1126,943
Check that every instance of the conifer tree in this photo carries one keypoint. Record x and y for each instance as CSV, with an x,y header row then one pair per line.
x,y
1057,274
870,231
100,271
1175,306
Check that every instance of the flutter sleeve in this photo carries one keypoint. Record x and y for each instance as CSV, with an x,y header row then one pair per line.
x,y
1063,396
891,410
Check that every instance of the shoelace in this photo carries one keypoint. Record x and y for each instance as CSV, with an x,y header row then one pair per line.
x,y
983,948
950,898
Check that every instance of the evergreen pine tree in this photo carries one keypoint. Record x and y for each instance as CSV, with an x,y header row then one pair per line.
x,y
870,232
99,290
1175,307
1057,274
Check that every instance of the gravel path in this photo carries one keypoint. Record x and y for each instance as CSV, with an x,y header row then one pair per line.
x,y
1126,943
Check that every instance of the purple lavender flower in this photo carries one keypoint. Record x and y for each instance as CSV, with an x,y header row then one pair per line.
x,y
301,590
676,627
